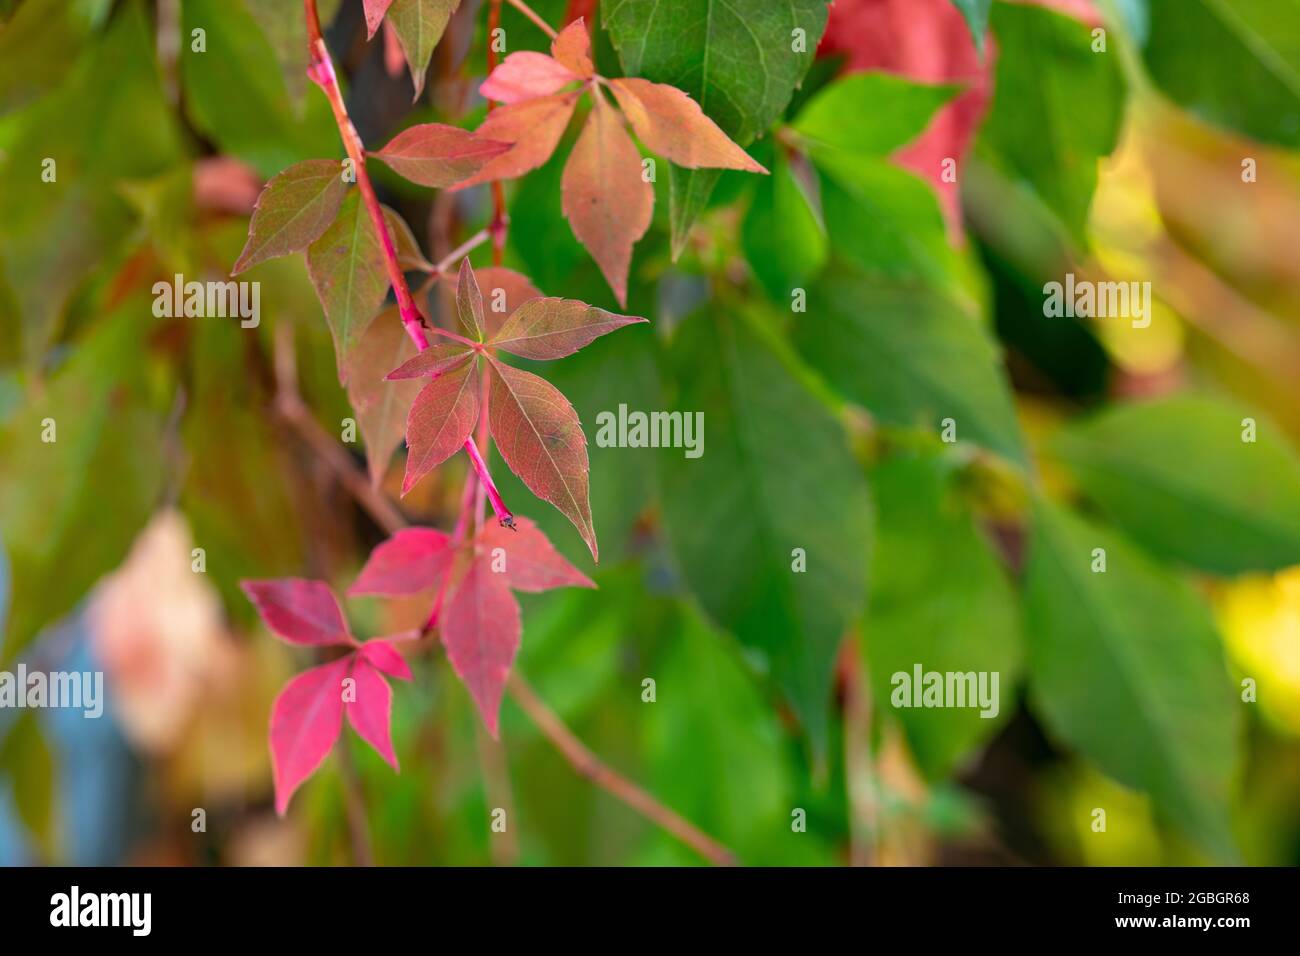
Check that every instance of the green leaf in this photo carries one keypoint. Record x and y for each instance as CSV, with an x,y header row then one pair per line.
x,y
1177,476
1231,62
911,357
347,268
885,219
1057,109
285,28
40,45
419,25
236,96
295,207
98,133
1125,666
740,63
976,13
26,760
107,435
775,475
939,601
783,239
899,111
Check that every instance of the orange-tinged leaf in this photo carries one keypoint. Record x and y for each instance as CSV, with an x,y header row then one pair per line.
x,y
441,419
504,290
572,47
434,361
381,405
672,124
293,209
605,197
469,300
534,127
525,76
553,328
480,629
438,156
539,436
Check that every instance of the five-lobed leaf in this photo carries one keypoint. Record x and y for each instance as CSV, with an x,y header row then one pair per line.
x,y
539,436
553,328
442,417
294,209
605,197
437,155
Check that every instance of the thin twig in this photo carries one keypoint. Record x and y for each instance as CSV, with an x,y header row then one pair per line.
x,y
588,765
859,770
354,802
527,11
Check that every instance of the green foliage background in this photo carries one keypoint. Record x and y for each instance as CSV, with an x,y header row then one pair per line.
x,y
823,429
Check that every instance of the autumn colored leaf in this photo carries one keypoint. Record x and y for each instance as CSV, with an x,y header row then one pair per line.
x,y
375,10
381,404
434,361
419,25
412,560
469,301
384,657
294,208
441,419
480,629
529,561
504,291
572,48
409,255
554,328
438,156
672,124
524,76
299,610
371,713
534,127
305,721
346,265
605,197
539,436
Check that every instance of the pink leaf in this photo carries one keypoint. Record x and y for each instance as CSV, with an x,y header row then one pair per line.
x,y
533,126
554,328
433,362
384,657
371,713
375,10
299,610
525,76
504,291
605,198
672,124
439,156
531,563
539,436
441,419
412,560
469,300
480,628
572,47
305,721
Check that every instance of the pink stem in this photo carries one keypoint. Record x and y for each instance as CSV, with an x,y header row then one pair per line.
x,y
485,480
